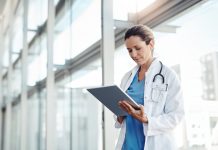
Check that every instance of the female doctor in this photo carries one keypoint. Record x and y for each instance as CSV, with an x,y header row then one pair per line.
x,y
157,89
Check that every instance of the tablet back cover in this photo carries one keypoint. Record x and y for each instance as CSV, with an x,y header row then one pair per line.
x,y
110,96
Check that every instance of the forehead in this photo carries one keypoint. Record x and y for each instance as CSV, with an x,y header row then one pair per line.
x,y
133,41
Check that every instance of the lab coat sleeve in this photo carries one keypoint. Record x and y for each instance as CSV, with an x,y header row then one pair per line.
x,y
117,124
172,114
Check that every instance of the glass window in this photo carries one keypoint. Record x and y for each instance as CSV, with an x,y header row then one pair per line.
x,y
76,31
37,61
5,62
16,47
5,90
79,113
192,46
64,118
37,15
16,80
36,123
15,127
17,38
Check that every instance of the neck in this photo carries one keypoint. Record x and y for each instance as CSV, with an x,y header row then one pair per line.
x,y
146,65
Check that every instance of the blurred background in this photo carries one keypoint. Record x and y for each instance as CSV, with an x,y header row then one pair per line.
x,y
52,50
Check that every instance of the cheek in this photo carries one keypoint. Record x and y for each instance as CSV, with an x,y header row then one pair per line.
x,y
144,54
147,53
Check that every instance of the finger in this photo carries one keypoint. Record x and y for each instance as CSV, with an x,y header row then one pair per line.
x,y
130,109
121,104
142,109
127,104
123,107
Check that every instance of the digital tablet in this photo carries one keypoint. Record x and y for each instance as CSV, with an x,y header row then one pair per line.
x,y
110,96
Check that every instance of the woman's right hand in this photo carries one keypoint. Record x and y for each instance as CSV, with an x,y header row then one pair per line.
x,y
120,119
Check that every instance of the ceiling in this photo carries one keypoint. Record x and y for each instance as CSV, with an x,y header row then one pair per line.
x,y
2,4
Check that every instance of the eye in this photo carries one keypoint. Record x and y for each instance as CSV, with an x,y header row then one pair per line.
x,y
137,48
129,50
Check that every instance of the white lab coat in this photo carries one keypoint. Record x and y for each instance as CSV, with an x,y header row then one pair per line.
x,y
163,112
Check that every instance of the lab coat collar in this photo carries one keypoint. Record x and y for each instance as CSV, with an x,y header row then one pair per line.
x,y
153,64
135,69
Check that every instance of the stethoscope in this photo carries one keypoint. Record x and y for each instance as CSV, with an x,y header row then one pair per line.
x,y
157,89
159,74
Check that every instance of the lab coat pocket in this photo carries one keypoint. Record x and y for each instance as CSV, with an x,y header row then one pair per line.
x,y
158,92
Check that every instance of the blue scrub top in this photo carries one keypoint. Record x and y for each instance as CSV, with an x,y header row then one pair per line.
x,y
134,137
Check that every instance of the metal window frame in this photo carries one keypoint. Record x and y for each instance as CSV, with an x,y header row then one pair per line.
x,y
107,59
1,94
24,76
50,95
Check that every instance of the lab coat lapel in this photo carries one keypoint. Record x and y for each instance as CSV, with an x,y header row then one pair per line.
x,y
149,75
131,76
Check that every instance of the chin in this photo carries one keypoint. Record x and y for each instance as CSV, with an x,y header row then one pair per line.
x,y
139,62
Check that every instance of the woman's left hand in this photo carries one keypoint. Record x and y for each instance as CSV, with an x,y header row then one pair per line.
x,y
138,114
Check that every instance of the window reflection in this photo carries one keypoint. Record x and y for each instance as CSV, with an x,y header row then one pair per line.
x,y
15,127
37,15
37,66
78,112
36,124
17,42
76,31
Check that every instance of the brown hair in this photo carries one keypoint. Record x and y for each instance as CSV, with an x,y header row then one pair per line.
x,y
142,31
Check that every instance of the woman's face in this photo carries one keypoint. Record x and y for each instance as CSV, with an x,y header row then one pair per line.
x,y
138,50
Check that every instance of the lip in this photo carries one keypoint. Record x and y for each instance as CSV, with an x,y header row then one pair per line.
x,y
137,60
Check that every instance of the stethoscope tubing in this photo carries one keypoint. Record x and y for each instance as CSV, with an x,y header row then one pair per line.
x,y
159,74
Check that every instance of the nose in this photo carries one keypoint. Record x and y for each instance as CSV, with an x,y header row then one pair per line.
x,y
133,53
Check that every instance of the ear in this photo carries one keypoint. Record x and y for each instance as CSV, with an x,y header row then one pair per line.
x,y
151,44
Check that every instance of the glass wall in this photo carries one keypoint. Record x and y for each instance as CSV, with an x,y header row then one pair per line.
x,y
36,72
5,65
15,128
16,48
36,124
37,15
75,32
3,129
86,111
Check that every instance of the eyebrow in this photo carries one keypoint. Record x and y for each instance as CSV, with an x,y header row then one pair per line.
x,y
133,46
